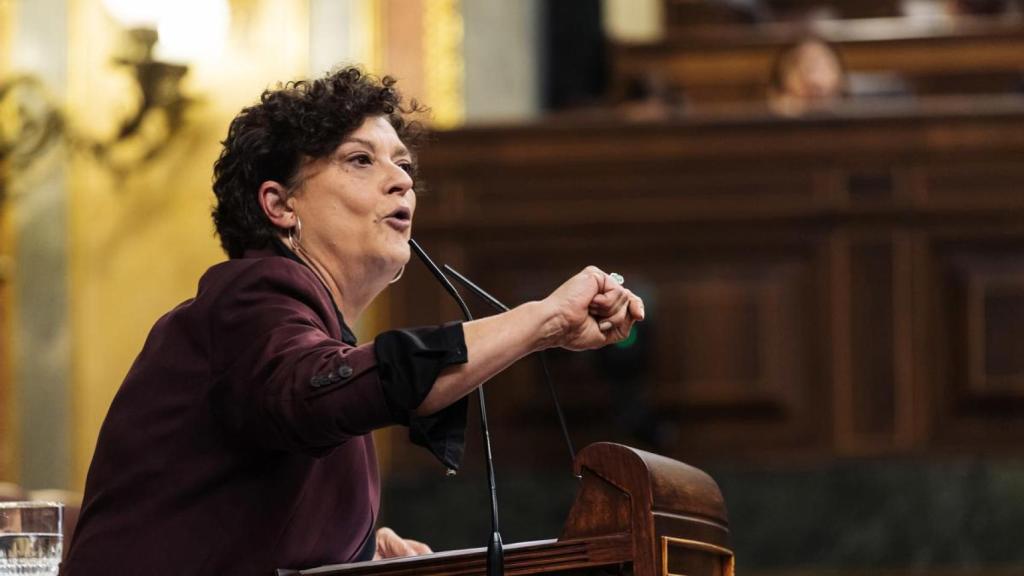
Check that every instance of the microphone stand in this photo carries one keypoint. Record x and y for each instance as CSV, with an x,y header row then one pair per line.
x,y
496,304
495,549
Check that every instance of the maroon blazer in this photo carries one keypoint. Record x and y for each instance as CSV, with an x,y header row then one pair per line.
x,y
239,441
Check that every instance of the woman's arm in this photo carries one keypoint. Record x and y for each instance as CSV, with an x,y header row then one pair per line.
x,y
588,311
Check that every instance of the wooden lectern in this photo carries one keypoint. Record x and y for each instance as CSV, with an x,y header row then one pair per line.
x,y
636,513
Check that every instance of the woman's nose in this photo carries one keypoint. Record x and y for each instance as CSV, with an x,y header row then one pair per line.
x,y
401,181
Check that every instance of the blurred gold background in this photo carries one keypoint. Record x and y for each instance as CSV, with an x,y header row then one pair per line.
x,y
132,245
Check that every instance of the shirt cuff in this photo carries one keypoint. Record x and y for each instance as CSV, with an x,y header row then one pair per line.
x,y
409,362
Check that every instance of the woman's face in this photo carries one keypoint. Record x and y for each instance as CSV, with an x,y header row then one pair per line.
x,y
814,73
356,205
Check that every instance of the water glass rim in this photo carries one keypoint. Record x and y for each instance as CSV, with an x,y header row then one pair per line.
x,y
30,504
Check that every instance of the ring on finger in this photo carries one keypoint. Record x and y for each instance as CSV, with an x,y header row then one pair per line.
x,y
618,278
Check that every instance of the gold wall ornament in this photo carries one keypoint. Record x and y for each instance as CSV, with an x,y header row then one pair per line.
x,y
30,122
444,63
160,113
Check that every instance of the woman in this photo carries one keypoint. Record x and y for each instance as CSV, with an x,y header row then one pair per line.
x,y
806,75
239,441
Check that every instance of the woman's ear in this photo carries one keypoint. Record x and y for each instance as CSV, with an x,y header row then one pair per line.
x,y
273,199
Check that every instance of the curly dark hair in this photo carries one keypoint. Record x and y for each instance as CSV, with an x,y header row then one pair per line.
x,y
297,121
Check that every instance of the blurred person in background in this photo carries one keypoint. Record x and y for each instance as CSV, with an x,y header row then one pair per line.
x,y
805,76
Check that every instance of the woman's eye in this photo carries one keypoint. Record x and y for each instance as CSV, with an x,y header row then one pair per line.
x,y
362,159
407,167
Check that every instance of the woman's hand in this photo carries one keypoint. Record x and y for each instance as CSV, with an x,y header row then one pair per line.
x,y
589,311
592,310
391,545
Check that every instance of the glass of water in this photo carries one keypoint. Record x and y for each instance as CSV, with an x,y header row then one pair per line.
x,y
31,538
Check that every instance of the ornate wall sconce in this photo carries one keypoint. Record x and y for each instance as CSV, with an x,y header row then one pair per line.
x,y
161,101
31,120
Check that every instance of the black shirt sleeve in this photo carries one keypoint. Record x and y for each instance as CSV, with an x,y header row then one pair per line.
x,y
409,362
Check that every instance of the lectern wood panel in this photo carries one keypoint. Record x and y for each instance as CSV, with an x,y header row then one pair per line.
x,y
635,513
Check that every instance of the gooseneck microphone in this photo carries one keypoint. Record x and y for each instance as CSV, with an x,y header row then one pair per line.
x,y
495,549
497,305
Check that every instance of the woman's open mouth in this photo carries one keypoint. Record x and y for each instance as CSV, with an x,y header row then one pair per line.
x,y
400,219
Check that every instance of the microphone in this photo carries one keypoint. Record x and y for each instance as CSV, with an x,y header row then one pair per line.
x,y
496,304
495,549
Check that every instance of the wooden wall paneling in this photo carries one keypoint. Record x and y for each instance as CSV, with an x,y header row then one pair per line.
x,y
733,334
711,345
874,295
978,320
872,394
728,224
696,398
840,361
724,362
995,330
905,353
775,148
820,289
943,323
874,359
920,396
587,195
870,186
598,191
983,183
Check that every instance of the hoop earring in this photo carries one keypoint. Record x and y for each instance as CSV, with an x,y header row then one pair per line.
x,y
294,233
398,276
